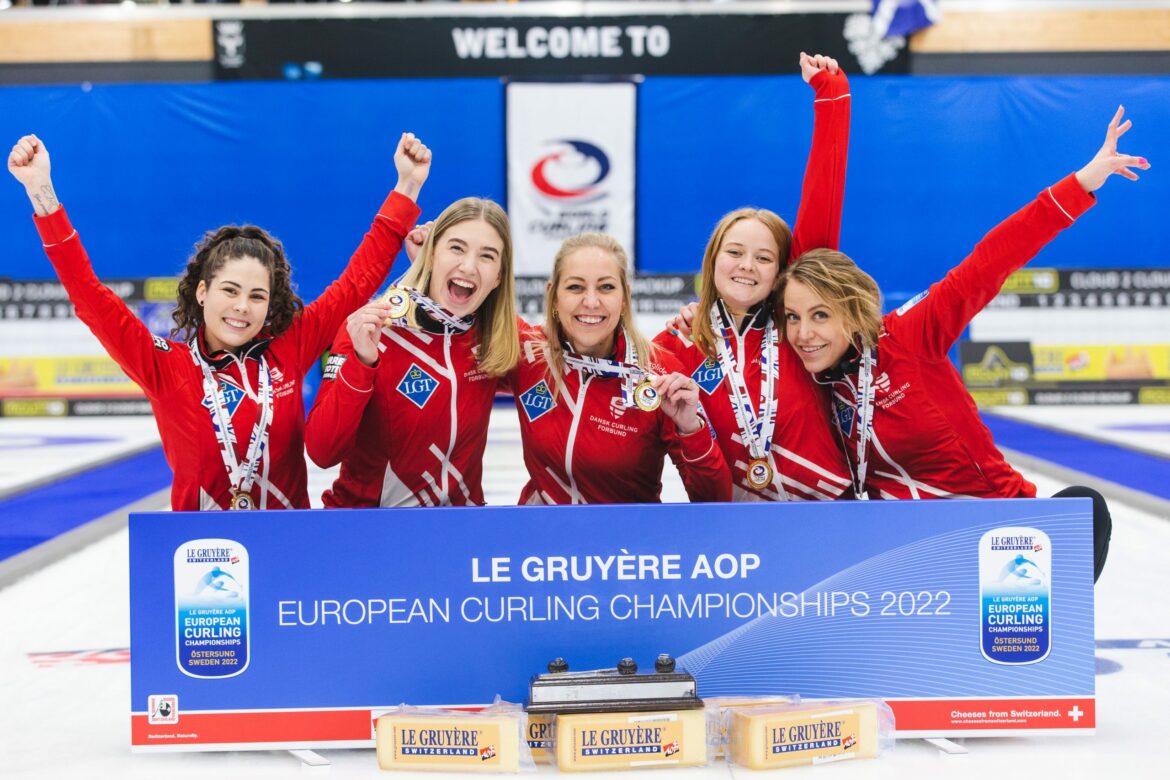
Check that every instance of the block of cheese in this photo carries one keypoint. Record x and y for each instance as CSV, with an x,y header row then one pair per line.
x,y
450,743
718,710
630,740
809,733
542,734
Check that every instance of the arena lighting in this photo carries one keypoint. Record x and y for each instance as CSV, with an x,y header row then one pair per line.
x,y
5,5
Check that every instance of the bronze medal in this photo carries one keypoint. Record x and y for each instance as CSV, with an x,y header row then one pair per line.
x,y
759,473
646,397
241,500
400,302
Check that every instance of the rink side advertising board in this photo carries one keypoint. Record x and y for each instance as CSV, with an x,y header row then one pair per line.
x,y
265,630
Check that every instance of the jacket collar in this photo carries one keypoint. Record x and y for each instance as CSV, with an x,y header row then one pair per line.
x,y
221,359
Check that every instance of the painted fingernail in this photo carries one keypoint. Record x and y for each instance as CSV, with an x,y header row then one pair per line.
x,y
1144,161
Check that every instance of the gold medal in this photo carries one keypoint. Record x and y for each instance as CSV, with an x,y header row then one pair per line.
x,y
759,473
241,500
400,302
646,397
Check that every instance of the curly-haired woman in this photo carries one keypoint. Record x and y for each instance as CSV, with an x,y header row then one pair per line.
x,y
226,392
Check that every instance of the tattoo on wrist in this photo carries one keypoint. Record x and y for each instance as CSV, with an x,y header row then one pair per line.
x,y
45,201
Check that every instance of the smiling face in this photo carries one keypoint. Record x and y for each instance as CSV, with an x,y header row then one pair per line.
x,y
466,266
235,303
813,328
588,300
746,265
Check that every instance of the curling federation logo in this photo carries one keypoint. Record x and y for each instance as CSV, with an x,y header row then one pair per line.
x,y
572,172
418,386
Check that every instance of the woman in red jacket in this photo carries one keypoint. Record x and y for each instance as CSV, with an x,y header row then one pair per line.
x,y
908,425
768,417
405,402
226,393
599,407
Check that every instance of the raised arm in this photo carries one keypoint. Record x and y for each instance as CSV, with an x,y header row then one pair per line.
x,y
939,318
822,195
123,335
371,262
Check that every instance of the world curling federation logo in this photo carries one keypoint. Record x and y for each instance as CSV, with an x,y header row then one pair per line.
x,y
572,172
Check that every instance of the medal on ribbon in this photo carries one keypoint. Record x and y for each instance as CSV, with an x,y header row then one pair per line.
x,y
400,303
241,474
637,390
646,397
241,500
759,473
755,426
403,300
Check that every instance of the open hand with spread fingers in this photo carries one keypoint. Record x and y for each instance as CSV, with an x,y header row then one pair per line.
x,y
1108,160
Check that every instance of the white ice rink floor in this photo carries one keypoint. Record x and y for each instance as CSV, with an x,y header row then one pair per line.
x,y
64,630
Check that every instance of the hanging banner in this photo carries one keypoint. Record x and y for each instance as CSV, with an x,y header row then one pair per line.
x,y
570,167
441,41
296,628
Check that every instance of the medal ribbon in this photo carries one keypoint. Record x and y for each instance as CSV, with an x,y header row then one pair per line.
x,y
437,312
756,428
863,420
629,370
241,475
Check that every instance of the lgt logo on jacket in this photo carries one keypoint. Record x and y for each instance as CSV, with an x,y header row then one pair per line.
x,y
418,386
708,375
537,401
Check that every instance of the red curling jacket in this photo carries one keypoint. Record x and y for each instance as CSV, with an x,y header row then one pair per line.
x,y
582,446
928,440
806,457
168,374
410,430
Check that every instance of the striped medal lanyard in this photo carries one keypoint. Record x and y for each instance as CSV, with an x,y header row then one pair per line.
x,y
755,427
403,299
636,387
241,474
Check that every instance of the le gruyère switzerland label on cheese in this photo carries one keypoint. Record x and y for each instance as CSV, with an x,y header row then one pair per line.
x,y
820,737
416,742
541,736
626,740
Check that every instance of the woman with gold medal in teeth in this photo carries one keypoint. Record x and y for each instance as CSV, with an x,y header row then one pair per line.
x,y
599,406
770,420
408,389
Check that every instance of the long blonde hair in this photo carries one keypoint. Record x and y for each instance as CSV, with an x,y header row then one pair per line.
x,y
495,322
554,352
851,293
704,336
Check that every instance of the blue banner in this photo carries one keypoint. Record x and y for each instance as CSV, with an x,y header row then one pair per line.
x,y
326,610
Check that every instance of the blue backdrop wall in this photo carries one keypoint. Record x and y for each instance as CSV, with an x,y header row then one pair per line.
x,y
935,162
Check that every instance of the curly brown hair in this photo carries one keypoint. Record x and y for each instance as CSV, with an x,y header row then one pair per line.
x,y
230,243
